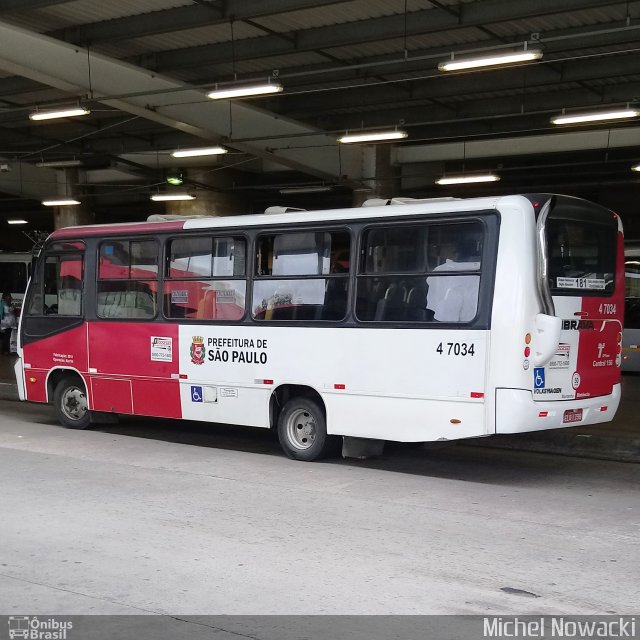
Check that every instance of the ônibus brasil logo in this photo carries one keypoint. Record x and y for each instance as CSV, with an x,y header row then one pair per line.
x,y
197,350
34,628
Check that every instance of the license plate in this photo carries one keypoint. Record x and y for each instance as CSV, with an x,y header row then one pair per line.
x,y
572,415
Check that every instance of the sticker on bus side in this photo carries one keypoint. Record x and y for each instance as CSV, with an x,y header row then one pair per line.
x,y
161,349
562,357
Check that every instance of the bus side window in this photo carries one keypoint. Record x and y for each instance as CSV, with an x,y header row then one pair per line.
x,y
127,279
302,276
205,278
409,273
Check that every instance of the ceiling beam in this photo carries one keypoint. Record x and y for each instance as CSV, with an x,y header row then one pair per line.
x,y
477,116
362,31
561,42
180,18
424,61
64,67
529,145
456,89
27,5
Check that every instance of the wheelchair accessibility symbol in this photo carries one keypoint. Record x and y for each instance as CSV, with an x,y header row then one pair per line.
x,y
538,378
196,394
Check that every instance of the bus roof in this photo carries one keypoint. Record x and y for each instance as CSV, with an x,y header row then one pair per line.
x,y
216,222
420,207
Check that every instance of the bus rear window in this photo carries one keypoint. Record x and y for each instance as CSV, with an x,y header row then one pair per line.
x,y
582,257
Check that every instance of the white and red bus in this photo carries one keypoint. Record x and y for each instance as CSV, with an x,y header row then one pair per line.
x,y
411,322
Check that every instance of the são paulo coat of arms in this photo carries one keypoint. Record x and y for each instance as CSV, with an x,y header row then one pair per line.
x,y
197,350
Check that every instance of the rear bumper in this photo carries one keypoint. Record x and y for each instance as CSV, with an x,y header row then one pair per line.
x,y
517,412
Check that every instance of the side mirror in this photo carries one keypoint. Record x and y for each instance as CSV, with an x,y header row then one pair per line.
x,y
546,338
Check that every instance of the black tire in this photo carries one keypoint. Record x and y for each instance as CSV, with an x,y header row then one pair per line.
x,y
302,431
70,402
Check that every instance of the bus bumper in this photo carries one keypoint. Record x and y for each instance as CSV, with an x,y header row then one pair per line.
x,y
17,367
518,412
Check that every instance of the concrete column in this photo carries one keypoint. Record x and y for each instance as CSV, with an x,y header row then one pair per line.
x,y
68,186
379,175
210,203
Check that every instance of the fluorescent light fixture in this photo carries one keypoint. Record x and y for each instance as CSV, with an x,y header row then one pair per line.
x,y
171,197
487,177
373,136
598,116
204,151
247,90
310,189
495,60
59,113
636,167
16,222
61,202
59,163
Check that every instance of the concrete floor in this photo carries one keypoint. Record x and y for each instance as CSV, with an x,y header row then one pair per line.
x,y
181,518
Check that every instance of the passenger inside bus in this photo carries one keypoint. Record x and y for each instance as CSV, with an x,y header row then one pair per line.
x,y
455,298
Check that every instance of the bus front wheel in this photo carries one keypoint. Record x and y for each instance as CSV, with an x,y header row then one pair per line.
x,y
302,431
70,402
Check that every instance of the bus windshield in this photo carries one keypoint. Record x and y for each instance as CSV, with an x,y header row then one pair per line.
x,y
582,256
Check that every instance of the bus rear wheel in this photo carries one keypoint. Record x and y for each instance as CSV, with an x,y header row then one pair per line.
x,y
70,402
302,431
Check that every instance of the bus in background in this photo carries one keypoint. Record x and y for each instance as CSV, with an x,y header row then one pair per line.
x,y
631,336
412,322
15,269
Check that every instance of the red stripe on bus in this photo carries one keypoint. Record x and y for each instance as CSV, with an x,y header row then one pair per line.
x,y
116,229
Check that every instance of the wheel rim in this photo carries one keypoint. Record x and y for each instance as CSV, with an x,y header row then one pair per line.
x,y
74,403
301,429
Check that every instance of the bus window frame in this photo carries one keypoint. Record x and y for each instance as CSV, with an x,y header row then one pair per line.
x,y
36,327
39,265
486,273
160,242
350,228
222,233
575,292
571,209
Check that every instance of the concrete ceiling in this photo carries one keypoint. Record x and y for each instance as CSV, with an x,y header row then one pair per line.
x,y
144,70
